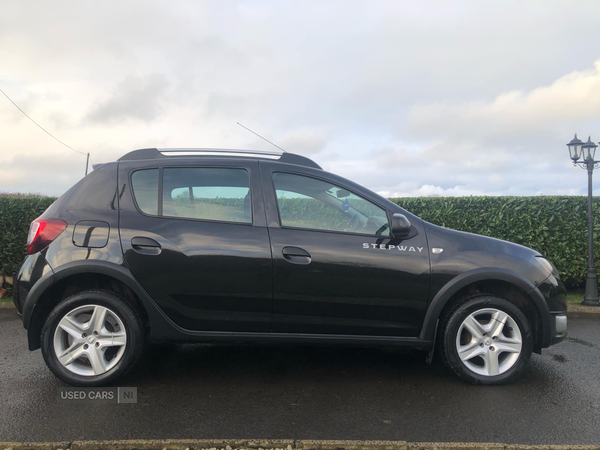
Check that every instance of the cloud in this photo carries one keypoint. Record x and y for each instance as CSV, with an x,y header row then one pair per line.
x,y
410,98
390,157
428,190
306,141
43,174
515,117
137,98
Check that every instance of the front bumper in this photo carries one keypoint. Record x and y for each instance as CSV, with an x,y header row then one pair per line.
x,y
558,321
555,294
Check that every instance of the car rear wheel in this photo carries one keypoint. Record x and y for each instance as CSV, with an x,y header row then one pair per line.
x,y
487,340
92,338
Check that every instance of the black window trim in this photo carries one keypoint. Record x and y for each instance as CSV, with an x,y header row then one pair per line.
x,y
160,214
293,172
160,192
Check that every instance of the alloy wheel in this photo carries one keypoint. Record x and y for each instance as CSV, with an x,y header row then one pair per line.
x,y
90,340
489,342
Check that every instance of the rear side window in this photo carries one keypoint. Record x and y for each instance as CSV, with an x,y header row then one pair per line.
x,y
215,193
220,194
145,190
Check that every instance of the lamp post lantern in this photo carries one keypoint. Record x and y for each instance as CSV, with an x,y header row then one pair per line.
x,y
587,151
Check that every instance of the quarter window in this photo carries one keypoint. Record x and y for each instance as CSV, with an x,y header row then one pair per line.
x,y
306,202
219,194
145,190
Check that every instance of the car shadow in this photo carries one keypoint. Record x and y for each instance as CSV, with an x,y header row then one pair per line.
x,y
189,364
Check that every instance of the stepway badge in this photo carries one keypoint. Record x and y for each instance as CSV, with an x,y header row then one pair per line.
x,y
98,395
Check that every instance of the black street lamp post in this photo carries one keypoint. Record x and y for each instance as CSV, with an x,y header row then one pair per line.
x,y
587,152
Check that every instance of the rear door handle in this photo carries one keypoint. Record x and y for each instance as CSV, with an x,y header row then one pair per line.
x,y
296,255
145,246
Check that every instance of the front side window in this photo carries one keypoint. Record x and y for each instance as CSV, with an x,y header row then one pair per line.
x,y
207,193
306,202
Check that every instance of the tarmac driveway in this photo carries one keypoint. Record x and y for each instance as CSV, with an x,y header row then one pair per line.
x,y
203,391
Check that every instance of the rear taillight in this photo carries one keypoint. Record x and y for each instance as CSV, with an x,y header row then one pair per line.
x,y
42,232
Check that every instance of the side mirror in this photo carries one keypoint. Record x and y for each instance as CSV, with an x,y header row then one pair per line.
x,y
342,193
400,225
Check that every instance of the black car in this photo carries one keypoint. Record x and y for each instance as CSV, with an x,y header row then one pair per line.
x,y
209,245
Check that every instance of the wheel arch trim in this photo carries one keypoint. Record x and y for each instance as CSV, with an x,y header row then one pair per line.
x,y
118,272
440,300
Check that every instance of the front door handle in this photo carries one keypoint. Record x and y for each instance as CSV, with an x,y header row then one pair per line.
x,y
145,246
296,255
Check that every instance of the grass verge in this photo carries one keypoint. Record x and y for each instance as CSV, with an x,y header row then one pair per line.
x,y
575,296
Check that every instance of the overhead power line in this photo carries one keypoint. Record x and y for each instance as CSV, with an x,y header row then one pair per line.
x,y
41,127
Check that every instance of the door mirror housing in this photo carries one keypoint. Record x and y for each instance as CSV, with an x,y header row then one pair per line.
x,y
342,193
400,225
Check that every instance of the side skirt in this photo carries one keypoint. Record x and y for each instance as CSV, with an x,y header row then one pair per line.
x,y
297,338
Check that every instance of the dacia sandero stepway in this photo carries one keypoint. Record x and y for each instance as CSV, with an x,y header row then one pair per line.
x,y
207,245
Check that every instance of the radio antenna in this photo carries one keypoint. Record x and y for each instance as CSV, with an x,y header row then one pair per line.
x,y
264,139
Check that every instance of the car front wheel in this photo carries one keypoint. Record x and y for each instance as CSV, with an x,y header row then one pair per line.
x,y
91,338
487,340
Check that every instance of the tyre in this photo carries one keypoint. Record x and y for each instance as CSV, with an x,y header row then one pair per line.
x,y
92,338
486,340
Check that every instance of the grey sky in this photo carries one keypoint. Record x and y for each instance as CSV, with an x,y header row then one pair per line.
x,y
408,98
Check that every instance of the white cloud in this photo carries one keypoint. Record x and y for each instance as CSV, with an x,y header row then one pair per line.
x,y
136,98
516,117
428,190
306,141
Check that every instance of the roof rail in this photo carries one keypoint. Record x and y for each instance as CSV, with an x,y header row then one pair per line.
x,y
157,153
218,151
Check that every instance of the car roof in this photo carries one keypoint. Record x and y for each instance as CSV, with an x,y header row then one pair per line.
x,y
163,153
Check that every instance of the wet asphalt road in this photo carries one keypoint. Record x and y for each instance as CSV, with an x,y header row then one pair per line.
x,y
201,391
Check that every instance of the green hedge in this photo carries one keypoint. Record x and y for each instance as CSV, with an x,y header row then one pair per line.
x,y
555,226
16,213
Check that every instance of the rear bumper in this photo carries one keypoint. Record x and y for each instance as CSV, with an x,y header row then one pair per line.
x,y
18,306
34,269
19,289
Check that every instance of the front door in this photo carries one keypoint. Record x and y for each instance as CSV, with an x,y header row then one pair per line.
x,y
336,268
195,238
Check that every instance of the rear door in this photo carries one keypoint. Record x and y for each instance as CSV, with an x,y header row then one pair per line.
x,y
337,269
194,235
